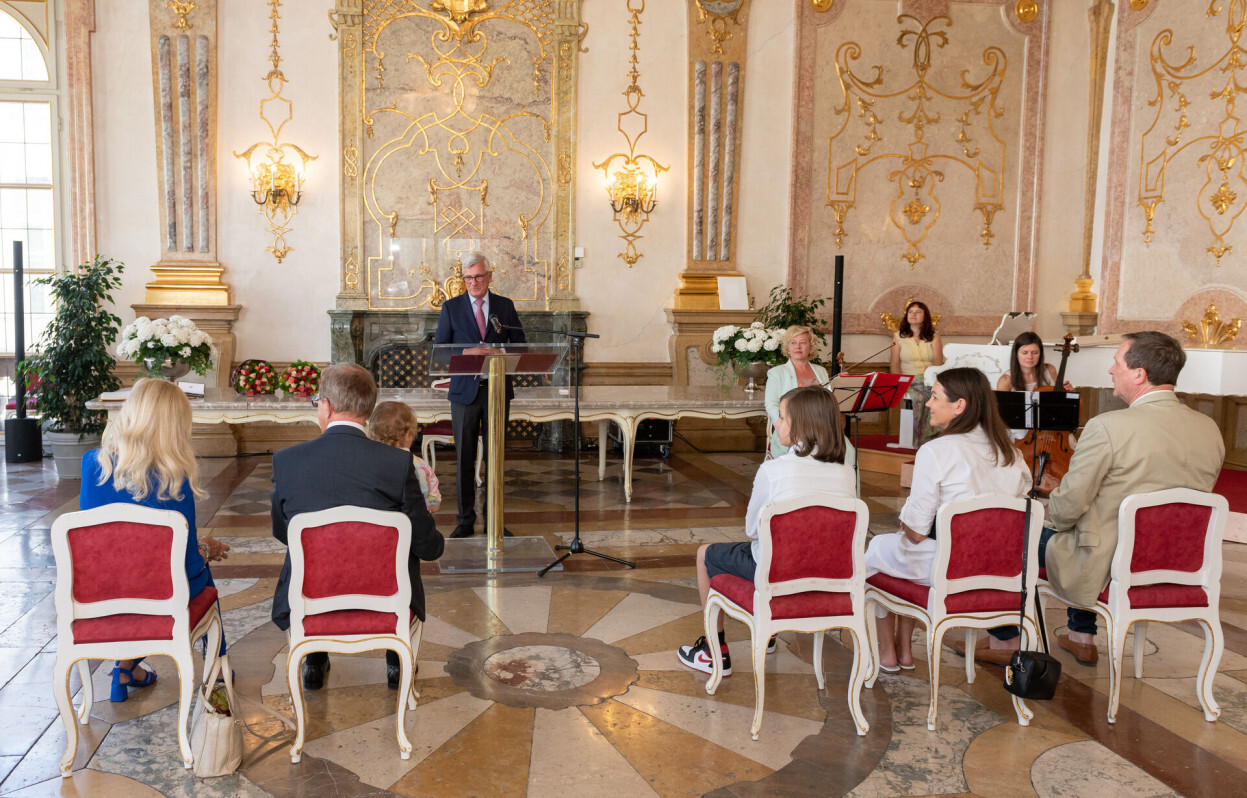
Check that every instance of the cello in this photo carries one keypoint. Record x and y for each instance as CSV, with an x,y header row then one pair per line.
x,y
1048,451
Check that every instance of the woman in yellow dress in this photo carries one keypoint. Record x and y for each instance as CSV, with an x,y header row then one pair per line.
x,y
916,346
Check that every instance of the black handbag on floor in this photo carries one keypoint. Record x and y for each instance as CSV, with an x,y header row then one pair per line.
x,y
1032,674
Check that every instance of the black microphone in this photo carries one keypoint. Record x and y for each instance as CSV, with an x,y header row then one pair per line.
x,y
493,319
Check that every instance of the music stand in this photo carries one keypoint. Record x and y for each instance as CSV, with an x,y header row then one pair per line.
x,y
1038,412
867,393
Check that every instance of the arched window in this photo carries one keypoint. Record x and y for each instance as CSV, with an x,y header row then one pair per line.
x,y
28,148
20,57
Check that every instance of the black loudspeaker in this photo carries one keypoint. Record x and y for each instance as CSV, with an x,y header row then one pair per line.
x,y
23,440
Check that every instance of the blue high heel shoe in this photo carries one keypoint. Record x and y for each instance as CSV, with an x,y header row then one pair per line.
x,y
120,692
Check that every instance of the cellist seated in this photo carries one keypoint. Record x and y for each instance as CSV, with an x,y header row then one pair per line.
x,y
1028,372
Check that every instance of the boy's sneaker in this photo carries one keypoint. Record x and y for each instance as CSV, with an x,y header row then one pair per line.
x,y
697,657
770,644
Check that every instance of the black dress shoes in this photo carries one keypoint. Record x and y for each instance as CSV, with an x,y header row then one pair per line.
x,y
393,673
314,673
462,531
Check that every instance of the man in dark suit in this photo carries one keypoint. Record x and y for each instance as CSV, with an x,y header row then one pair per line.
x,y
468,319
343,467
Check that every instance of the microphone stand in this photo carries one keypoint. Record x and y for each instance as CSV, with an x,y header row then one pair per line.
x,y
576,339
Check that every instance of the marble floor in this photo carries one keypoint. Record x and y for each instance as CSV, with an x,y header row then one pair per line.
x,y
568,685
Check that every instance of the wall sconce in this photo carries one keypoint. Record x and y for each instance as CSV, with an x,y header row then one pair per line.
x,y
632,192
632,183
276,183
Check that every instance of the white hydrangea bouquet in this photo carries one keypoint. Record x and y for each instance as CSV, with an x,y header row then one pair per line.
x,y
153,343
740,346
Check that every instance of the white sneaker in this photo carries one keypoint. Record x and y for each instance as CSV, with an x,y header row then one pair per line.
x,y
697,657
772,644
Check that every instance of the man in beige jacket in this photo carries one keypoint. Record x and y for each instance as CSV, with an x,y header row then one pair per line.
x,y
1154,444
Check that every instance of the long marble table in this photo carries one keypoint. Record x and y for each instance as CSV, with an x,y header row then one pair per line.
x,y
625,405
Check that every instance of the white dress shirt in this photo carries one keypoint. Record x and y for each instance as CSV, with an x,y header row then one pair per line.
x,y
946,469
789,477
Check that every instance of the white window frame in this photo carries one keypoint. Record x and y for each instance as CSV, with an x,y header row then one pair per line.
x,y
49,92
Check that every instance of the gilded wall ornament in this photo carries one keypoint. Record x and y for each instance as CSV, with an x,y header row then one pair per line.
x,y
351,270
454,125
822,5
1211,332
917,164
455,284
915,210
1196,128
183,10
1026,10
459,10
719,12
350,162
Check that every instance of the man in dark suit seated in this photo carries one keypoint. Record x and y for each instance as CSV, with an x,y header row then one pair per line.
x,y
467,319
342,467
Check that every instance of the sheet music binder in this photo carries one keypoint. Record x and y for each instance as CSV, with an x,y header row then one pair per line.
x,y
866,393
1058,410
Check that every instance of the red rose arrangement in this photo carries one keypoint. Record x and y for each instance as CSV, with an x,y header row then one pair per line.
x,y
300,379
255,377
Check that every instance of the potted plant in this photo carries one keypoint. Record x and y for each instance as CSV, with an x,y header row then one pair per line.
x,y
72,363
783,310
166,349
748,351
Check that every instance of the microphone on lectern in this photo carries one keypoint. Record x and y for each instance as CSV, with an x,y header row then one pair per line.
x,y
493,319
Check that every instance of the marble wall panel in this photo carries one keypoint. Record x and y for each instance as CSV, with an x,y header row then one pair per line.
x,y
1174,231
913,128
461,138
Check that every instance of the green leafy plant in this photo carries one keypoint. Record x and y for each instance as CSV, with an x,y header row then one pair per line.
x,y
72,364
783,310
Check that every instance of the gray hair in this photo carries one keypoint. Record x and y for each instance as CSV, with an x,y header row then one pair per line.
x,y
350,389
475,258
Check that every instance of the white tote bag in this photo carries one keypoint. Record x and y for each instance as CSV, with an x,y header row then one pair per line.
x,y
216,738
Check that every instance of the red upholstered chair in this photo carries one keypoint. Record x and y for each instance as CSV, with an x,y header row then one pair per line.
x,y
441,432
976,583
121,593
809,579
10,407
349,592
1167,568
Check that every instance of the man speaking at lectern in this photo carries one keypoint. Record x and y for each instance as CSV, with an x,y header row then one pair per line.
x,y
478,317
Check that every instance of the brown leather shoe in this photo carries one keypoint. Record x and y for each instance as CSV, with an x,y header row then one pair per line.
x,y
983,652
959,645
1085,653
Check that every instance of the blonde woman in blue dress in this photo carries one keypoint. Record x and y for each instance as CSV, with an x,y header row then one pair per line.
x,y
798,346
